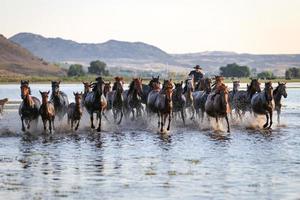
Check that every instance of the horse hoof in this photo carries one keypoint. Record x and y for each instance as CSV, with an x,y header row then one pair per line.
x,y
98,129
265,126
23,129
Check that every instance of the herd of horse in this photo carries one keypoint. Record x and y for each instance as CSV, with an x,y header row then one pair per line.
x,y
166,101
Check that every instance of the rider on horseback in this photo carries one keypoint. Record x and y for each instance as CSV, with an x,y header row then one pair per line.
x,y
197,73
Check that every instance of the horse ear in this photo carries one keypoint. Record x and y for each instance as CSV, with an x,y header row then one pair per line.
x,y
284,83
278,83
48,92
157,77
40,92
74,93
181,82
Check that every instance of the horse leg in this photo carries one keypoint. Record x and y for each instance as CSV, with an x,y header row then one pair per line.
x,y
50,127
121,117
76,128
170,118
28,124
53,127
158,119
44,122
92,121
72,124
162,122
278,115
271,118
100,120
217,121
23,127
266,124
132,114
182,115
228,127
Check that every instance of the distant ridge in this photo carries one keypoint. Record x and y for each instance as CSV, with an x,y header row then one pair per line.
x,y
141,56
58,49
18,61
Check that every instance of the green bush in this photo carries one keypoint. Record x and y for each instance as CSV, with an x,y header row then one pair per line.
x,y
76,70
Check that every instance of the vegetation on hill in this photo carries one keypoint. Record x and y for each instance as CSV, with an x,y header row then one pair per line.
x,y
235,70
292,73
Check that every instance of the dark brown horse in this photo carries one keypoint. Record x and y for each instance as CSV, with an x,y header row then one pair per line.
x,y
47,111
116,99
217,104
160,102
75,111
262,103
278,93
95,102
29,108
179,101
133,98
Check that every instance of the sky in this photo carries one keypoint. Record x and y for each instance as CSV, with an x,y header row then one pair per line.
x,y
176,26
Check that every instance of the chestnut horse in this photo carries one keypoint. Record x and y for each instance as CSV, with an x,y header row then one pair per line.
x,y
75,111
47,111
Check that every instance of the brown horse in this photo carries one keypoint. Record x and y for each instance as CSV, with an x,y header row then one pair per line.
x,y
164,105
47,111
262,103
29,108
217,104
2,103
75,111
133,98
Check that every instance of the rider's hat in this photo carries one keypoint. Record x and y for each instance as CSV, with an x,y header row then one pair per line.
x,y
197,67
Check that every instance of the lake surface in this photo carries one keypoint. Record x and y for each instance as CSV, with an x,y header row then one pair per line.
x,y
133,161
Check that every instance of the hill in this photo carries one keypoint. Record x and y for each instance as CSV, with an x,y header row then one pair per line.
x,y
18,61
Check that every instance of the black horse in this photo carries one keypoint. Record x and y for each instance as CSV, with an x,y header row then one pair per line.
x,y
29,108
95,102
59,100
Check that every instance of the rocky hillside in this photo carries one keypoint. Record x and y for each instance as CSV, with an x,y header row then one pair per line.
x,y
18,61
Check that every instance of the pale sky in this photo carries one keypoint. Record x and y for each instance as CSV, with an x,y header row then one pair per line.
x,y
176,26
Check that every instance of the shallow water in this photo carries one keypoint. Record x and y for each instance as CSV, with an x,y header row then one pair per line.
x,y
133,161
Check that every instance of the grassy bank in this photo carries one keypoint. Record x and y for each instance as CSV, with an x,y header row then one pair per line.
x,y
65,79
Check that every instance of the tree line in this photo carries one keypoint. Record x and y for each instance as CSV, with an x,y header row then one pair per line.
x,y
96,67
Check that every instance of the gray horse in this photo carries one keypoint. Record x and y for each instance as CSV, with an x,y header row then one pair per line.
x,y
188,93
59,100
262,103
200,98
242,99
279,91
179,101
217,104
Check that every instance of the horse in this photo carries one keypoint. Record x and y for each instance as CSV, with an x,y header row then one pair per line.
x,y
47,111
279,91
133,98
74,112
87,89
188,93
59,100
95,102
146,89
163,105
242,99
2,103
115,99
179,101
200,98
217,104
108,94
262,103
29,108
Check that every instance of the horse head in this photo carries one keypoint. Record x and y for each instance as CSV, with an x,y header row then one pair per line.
x,y
224,94
154,83
87,87
78,97
55,87
45,96
254,86
168,89
236,85
190,84
118,84
107,88
268,91
281,89
207,85
25,91
137,85
178,88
